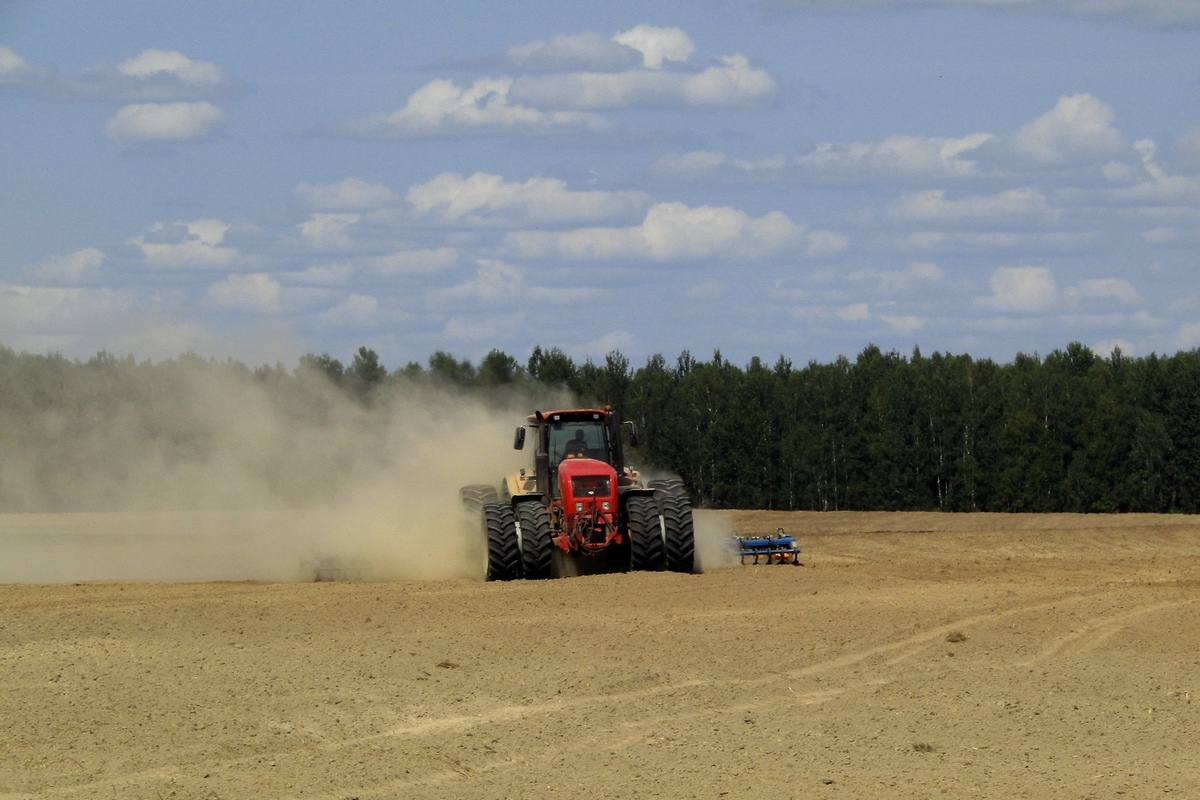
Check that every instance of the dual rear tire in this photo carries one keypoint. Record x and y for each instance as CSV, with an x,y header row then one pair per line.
x,y
518,541
661,533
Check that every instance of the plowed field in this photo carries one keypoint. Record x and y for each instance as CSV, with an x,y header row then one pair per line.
x,y
911,656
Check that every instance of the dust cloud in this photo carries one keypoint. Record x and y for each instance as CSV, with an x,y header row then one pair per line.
x,y
714,539
222,477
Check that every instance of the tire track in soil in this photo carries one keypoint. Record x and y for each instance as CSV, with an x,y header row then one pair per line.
x,y
1096,630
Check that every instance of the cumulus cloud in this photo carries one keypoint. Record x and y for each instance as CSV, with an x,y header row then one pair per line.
x,y
396,264
356,311
644,45
536,200
157,63
823,244
586,51
1078,128
196,244
255,293
52,311
163,122
151,76
933,206
441,107
351,194
904,155
733,81
657,44
16,71
671,232
1021,290
327,230
78,267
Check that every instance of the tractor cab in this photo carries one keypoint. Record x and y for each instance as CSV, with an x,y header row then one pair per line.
x,y
573,435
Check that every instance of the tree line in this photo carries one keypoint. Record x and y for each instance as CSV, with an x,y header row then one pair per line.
x,y
1068,432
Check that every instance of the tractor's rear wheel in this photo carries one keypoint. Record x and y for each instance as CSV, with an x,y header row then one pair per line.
x,y
645,535
536,544
503,548
679,535
667,486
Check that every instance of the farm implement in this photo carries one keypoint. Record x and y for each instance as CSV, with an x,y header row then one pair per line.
x,y
779,548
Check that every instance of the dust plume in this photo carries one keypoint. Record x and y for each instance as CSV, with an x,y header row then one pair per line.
x,y
714,539
199,471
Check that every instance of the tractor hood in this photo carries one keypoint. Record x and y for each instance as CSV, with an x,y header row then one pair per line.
x,y
587,481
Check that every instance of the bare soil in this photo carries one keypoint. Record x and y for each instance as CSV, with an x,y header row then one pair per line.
x,y
911,656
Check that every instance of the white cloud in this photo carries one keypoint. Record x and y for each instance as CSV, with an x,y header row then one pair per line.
x,y
351,194
356,311
671,232
45,311
1021,290
589,51
890,283
904,155
441,107
732,82
256,293
78,267
154,63
400,263
537,199
191,244
932,206
16,71
1078,128
823,244
163,122
328,231
856,312
1187,337
657,44
906,323
1106,347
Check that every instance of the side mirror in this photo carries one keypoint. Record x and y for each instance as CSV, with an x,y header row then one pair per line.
x,y
519,440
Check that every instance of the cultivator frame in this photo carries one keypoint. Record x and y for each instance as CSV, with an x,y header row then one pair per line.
x,y
777,548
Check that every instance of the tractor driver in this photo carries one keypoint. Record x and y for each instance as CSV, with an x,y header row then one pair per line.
x,y
577,447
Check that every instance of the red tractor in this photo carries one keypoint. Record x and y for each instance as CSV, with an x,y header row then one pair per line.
x,y
580,508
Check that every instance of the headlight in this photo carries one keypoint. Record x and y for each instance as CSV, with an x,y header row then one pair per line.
x,y
578,505
605,505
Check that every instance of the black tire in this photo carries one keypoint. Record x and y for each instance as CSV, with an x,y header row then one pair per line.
x,y
503,548
679,535
668,486
476,495
536,544
645,534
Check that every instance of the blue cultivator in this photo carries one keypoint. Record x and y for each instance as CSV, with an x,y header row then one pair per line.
x,y
778,549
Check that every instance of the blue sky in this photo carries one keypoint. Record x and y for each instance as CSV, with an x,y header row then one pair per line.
x,y
797,177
